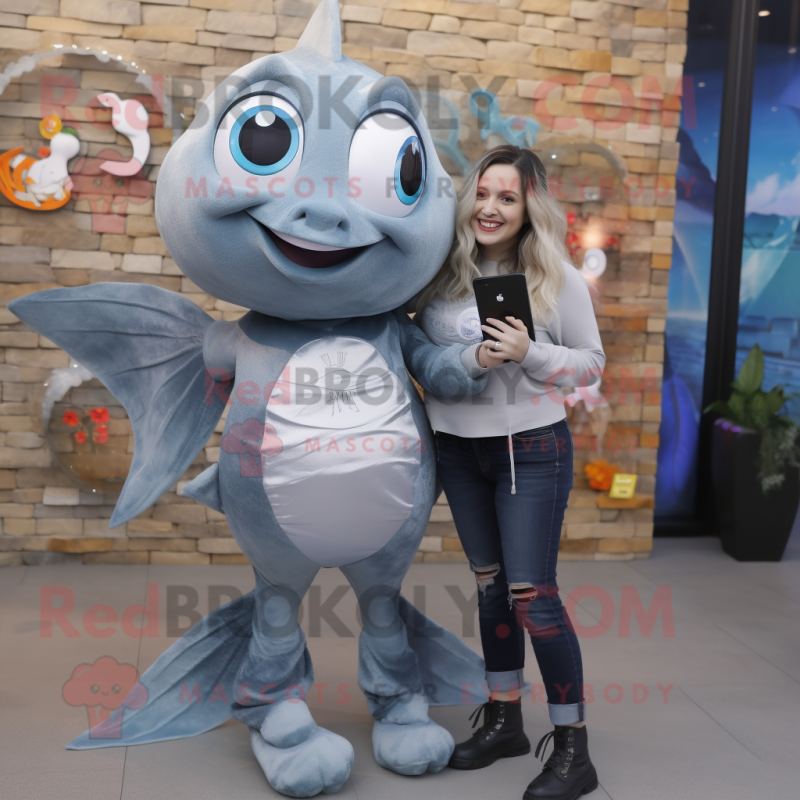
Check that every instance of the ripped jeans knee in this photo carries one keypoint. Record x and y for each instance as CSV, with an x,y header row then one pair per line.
x,y
521,593
484,576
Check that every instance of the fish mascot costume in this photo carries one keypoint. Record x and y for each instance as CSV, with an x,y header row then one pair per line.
x,y
307,190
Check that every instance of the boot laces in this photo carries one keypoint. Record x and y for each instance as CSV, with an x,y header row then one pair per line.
x,y
476,715
556,757
489,725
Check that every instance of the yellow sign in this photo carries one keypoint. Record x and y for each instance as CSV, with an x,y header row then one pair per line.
x,y
622,486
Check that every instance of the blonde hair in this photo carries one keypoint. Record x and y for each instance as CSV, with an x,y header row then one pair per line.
x,y
540,250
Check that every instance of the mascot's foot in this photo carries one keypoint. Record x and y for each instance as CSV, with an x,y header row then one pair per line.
x,y
412,749
319,764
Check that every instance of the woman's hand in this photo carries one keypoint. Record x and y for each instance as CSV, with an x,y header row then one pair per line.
x,y
513,339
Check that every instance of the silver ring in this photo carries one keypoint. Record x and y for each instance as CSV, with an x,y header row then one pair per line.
x,y
497,345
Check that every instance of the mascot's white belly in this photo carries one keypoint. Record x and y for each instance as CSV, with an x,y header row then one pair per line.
x,y
340,453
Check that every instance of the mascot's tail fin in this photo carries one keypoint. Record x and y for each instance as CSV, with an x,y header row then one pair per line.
x,y
451,672
189,688
146,345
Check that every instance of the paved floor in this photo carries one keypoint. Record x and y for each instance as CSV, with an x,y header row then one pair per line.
x,y
728,727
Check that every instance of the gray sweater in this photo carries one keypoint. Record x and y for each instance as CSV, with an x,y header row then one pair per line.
x,y
567,353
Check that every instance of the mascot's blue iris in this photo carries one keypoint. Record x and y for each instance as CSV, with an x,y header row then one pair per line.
x,y
264,140
409,171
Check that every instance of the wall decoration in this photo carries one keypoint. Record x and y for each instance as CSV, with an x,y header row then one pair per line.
x,y
130,118
47,183
516,130
594,263
41,184
600,474
86,429
109,180
588,238
444,116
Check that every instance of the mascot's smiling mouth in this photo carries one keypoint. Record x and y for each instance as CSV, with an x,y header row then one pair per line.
x,y
309,254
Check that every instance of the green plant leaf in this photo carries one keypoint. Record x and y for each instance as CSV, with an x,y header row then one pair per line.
x,y
737,406
751,374
781,422
759,414
718,407
775,400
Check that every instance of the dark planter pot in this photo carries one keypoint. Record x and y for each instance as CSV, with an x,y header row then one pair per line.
x,y
752,526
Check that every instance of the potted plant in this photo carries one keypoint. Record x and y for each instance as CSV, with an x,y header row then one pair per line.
x,y
755,455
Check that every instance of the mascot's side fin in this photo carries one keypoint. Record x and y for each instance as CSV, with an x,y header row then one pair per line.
x,y
146,345
189,688
205,488
451,672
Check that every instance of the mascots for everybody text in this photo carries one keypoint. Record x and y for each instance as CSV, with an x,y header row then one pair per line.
x,y
307,190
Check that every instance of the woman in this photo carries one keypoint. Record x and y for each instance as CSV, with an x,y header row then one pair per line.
x,y
505,454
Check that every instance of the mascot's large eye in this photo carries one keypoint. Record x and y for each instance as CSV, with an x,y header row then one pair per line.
x,y
260,136
387,165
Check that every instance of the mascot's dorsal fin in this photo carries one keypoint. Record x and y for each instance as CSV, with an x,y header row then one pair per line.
x,y
324,31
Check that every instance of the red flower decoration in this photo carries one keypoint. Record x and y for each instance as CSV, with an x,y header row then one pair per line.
x,y
99,415
71,418
573,243
600,474
571,218
80,437
100,434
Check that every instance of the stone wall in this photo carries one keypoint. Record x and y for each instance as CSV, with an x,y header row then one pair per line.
x,y
602,78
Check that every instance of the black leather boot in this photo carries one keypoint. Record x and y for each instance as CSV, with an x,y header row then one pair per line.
x,y
569,772
500,736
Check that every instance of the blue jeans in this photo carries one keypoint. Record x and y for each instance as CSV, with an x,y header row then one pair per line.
x,y
511,541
